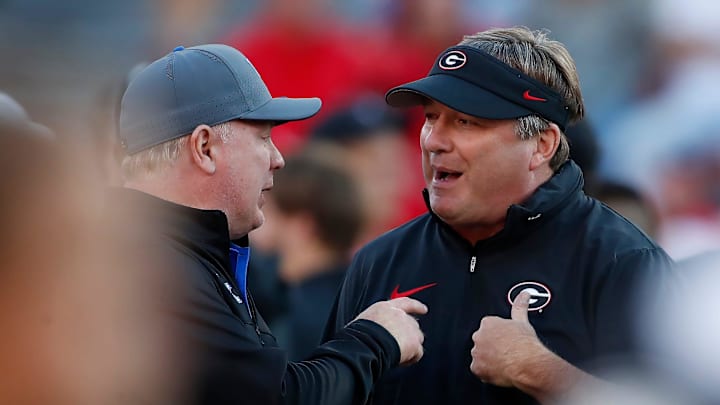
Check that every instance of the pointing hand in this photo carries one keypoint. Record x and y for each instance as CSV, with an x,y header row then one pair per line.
x,y
397,317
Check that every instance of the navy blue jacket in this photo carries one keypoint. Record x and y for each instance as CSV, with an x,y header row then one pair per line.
x,y
233,357
582,262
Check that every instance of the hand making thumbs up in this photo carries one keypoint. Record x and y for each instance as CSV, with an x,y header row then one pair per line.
x,y
501,346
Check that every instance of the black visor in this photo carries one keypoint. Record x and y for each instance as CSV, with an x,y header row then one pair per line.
x,y
473,82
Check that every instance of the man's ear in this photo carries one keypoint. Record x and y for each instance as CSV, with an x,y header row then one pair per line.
x,y
546,144
203,152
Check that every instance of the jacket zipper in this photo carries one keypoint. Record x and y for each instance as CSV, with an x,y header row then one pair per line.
x,y
250,302
473,260
253,315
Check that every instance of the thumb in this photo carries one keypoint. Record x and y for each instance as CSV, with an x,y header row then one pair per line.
x,y
519,311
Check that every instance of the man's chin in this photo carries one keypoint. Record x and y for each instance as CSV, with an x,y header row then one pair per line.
x,y
442,206
242,232
446,213
259,221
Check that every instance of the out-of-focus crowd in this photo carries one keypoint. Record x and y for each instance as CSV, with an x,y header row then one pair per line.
x,y
646,68
650,149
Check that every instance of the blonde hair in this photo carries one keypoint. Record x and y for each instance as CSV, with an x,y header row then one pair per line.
x,y
543,59
164,155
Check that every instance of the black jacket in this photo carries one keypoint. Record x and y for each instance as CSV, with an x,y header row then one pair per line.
x,y
309,304
234,357
583,263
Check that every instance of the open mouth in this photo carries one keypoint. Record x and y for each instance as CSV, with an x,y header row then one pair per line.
x,y
443,175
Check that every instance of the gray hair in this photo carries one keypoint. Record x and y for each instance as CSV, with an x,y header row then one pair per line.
x,y
531,125
164,155
543,59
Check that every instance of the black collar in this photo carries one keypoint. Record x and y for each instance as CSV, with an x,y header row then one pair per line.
x,y
205,232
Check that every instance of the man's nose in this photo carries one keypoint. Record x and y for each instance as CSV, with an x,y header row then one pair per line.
x,y
277,161
435,138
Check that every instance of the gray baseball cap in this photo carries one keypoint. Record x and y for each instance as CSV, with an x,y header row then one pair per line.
x,y
206,84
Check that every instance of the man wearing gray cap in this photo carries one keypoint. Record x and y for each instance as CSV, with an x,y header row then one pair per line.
x,y
531,282
196,127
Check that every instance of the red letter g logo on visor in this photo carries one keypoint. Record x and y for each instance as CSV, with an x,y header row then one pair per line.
x,y
452,60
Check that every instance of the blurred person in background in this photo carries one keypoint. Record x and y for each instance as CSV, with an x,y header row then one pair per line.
x,y
626,200
368,140
510,243
310,48
186,21
690,189
680,351
196,125
14,118
371,139
315,215
584,150
416,30
681,338
104,121
611,43
314,47
680,117
629,203
78,317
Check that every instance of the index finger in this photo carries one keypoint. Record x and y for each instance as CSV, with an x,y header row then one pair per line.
x,y
519,311
410,305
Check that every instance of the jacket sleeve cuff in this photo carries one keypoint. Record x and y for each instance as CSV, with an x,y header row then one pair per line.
x,y
383,339
367,351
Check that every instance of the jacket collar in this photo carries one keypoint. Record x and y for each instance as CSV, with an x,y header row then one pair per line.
x,y
544,203
206,232
549,197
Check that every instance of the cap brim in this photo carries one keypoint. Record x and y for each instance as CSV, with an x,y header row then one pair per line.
x,y
457,94
284,109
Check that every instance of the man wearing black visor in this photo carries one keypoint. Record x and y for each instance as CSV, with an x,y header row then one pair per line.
x,y
529,282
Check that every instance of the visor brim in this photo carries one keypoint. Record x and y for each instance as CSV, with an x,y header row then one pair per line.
x,y
457,94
